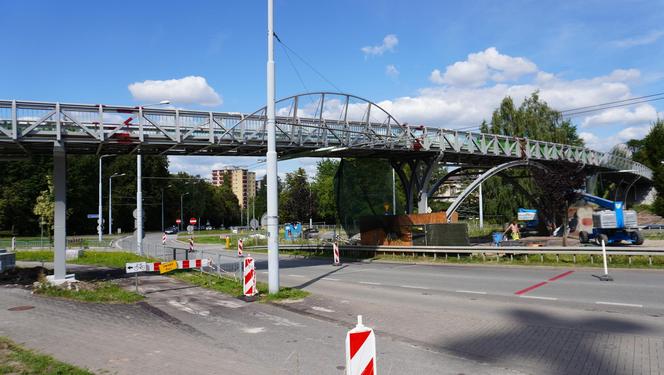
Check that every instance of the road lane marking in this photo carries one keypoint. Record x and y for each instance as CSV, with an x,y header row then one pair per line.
x,y
564,274
323,309
264,272
469,291
618,304
540,297
330,279
533,287
369,283
413,287
296,276
528,289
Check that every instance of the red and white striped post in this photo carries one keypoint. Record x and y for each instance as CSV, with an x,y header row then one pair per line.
x,y
163,240
249,278
335,251
240,247
360,350
191,244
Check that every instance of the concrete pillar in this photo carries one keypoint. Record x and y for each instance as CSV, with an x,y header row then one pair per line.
x,y
60,223
423,204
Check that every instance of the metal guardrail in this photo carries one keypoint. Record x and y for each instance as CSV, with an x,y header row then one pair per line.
x,y
360,251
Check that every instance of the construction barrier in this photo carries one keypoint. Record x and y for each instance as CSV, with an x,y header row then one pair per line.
x,y
240,247
191,244
163,239
182,264
335,251
360,350
249,278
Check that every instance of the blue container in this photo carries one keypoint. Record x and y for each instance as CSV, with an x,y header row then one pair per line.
x,y
497,238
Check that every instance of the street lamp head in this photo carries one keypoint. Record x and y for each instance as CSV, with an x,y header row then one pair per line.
x,y
118,174
165,102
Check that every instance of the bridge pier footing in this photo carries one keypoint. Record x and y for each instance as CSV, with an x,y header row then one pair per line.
x,y
60,214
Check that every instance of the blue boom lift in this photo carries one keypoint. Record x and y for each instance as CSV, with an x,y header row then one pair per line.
x,y
613,225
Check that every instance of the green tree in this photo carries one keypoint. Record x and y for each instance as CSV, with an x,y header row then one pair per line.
x,y
45,206
297,201
533,119
650,152
323,189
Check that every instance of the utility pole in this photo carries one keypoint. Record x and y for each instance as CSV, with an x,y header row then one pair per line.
x,y
272,170
139,203
394,194
100,218
481,209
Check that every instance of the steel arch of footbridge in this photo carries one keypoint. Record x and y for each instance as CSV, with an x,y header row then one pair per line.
x,y
313,124
485,176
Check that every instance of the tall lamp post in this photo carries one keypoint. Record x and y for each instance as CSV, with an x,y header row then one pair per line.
x,y
100,229
139,183
110,200
162,207
181,212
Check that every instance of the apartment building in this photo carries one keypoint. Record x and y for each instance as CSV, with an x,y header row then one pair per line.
x,y
241,181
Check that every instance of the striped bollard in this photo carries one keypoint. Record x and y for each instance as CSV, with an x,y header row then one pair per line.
x,y
191,244
360,350
249,277
240,247
335,251
163,240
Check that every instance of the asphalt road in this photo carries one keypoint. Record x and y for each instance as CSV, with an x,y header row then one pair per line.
x,y
529,319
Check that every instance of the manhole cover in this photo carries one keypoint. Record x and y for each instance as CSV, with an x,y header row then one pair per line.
x,y
21,308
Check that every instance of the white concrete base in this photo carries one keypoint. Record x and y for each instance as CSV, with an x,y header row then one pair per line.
x,y
71,278
73,253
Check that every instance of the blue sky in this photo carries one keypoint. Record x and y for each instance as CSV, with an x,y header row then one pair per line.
x,y
439,63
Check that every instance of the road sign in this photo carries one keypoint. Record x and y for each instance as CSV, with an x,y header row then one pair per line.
x,y
193,221
253,224
190,229
136,267
93,216
178,221
168,266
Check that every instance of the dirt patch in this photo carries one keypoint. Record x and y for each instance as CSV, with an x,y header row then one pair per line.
x,y
22,276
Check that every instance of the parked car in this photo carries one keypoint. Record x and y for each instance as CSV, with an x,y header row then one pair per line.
x,y
171,230
208,227
310,233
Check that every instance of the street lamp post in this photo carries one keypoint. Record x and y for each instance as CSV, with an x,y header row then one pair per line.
x,y
110,199
139,183
162,207
181,212
100,229
272,170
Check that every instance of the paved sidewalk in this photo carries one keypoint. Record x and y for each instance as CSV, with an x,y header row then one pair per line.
x,y
185,329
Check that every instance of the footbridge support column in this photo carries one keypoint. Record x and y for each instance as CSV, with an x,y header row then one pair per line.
x,y
60,222
415,176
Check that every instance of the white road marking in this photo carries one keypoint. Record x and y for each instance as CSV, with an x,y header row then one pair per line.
x,y
413,287
254,330
330,279
297,276
323,309
369,283
264,272
618,304
540,297
470,291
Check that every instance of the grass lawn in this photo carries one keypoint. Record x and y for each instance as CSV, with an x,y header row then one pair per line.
x,y
14,359
233,287
98,292
115,259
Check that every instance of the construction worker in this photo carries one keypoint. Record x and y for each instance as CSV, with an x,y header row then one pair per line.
x,y
514,228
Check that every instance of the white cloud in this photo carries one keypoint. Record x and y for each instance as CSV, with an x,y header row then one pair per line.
x,y
483,66
391,71
642,40
638,115
389,42
605,143
187,90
